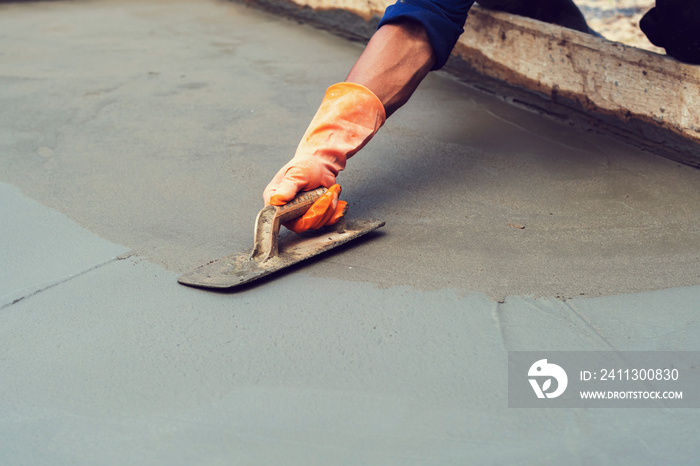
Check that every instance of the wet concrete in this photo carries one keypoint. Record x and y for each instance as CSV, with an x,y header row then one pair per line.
x,y
157,131
141,135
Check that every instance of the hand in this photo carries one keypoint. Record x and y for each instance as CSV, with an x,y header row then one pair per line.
x,y
327,210
348,117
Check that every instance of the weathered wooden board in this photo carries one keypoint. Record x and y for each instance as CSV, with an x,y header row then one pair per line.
x,y
600,75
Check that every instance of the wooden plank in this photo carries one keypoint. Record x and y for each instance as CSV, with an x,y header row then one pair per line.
x,y
600,75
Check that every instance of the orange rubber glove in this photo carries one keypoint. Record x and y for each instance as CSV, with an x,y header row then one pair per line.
x,y
327,210
348,117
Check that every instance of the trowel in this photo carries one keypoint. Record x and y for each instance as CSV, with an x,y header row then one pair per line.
x,y
273,252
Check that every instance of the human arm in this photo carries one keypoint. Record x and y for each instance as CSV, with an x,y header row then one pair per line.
x,y
392,65
413,39
395,61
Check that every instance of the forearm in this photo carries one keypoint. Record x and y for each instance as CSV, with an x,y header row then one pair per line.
x,y
394,63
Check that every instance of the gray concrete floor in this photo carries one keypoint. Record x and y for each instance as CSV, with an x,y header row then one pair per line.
x,y
135,140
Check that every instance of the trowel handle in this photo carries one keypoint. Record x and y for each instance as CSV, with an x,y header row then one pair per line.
x,y
299,205
267,225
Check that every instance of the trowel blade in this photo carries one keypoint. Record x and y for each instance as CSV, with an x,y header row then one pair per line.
x,y
239,269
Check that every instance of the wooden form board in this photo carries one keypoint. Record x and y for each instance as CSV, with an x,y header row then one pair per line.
x,y
600,75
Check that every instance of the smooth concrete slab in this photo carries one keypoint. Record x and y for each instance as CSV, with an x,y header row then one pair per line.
x,y
41,248
663,320
155,125
122,365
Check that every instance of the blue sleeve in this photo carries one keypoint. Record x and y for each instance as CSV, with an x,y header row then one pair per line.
x,y
443,20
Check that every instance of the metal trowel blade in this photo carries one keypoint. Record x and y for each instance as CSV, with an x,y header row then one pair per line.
x,y
239,269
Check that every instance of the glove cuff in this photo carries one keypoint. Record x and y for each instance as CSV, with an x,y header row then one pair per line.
x,y
362,96
348,117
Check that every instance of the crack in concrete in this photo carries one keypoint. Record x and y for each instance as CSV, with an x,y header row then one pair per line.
x,y
497,314
589,324
53,284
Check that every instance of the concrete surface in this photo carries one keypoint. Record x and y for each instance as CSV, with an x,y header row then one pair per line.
x,y
136,138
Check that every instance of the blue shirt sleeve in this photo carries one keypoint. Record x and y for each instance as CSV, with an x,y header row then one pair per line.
x,y
443,20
